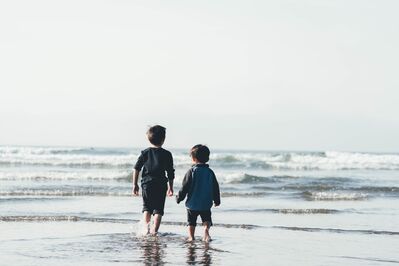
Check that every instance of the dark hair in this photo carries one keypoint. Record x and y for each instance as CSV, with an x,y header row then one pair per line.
x,y
156,135
200,152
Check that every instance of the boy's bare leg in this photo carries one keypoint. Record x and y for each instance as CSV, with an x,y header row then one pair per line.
x,y
207,237
157,223
147,219
191,231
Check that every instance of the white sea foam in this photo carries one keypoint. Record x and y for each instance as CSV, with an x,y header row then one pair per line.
x,y
233,178
125,158
309,160
142,228
331,196
68,160
124,175
77,157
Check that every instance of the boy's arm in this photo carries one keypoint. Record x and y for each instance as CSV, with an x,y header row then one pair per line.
x,y
170,191
137,168
171,174
141,160
185,186
216,191
135,182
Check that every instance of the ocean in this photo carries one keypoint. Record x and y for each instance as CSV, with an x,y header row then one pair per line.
x,y
73,206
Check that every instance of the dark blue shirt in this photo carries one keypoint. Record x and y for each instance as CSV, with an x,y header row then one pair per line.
x,y
201,187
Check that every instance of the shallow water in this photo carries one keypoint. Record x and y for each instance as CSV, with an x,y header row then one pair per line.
x,y
73,206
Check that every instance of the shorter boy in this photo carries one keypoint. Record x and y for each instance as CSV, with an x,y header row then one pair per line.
x,y
202,189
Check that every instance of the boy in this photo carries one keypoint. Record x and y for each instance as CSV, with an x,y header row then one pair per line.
x,y
202,188
155,161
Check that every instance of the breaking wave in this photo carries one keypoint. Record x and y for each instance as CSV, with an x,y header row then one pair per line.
x,y
67,175
310,160
125,158
334,196
65,192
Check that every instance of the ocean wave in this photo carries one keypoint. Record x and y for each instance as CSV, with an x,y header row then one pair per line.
x,y
102,161
30,150
334,196
65,193
314,188
383,189
244,178
76,161
290,211
323,189
125,191
63,218
125,158
243,194
28,199
125,176
247,179
289,180
118,183
68,157
309,160
99,192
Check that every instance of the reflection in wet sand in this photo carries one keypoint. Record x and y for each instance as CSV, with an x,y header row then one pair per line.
x,y
198,253
153,252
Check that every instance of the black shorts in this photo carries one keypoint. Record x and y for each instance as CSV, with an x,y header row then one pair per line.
x,y
192,217
154,194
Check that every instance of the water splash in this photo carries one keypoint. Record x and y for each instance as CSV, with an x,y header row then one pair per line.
x,y
142,228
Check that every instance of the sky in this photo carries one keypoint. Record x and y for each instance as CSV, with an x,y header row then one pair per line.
x,y
264,75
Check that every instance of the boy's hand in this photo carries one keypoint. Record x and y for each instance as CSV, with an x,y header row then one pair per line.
x,y
170,192
136,190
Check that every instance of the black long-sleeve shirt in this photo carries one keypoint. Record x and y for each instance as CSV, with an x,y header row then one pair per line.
x,y
155,162
201,187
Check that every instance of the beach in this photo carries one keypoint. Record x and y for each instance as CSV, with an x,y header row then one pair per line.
x,y
73,206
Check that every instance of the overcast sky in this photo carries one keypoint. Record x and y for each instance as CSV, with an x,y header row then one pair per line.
x,y
274,75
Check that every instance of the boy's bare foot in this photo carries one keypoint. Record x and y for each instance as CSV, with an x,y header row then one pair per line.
x,y
157,223
153,233
207,238
191,233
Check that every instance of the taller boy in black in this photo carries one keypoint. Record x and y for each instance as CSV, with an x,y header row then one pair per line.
x,y
155,162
